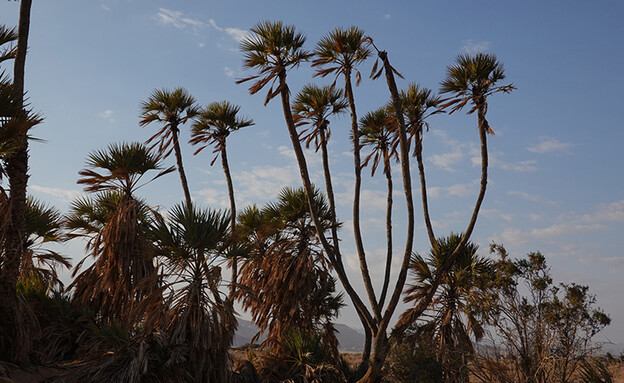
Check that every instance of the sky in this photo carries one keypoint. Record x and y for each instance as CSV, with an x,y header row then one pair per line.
x,y
555,183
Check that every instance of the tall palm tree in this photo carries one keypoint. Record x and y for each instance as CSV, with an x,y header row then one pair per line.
x,y
213,125
272,48
115,223
377,133
171,108
339,53
286,257
189,308
312,106
15,340
451,321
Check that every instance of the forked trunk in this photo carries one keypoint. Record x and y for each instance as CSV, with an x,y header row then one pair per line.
x,y
331,252
15,341
357,164
423,191
230,187
178,155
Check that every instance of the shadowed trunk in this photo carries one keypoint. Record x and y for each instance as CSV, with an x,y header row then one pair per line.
x,y
386,283
357,164
330,189
14,338
230,187
178,155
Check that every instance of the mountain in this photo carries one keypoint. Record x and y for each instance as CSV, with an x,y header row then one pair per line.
x,y
350,339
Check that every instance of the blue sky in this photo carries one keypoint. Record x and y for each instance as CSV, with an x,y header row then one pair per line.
x,y
556,181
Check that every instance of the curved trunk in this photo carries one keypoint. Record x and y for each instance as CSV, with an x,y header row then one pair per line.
x,y
380,344
15,339
357,164
386,283
178,156
330,190
423,193
334,258
230,187
446,265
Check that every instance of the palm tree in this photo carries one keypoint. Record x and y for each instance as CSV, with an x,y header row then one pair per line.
x,y
312,106
377,133
7,36
171,108
339,53
44,225
418,104
214,124
452,321
115,223
15,340
189,308
285,256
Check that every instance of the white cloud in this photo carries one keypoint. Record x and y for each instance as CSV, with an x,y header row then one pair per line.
x,y
237,33
387,16
531,197
496,162
548,145
105,7
107,115
457,190
473,46
446,160
229,72
177,19
63,194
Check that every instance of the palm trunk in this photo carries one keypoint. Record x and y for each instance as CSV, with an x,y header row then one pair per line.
x,y
386,283
230,186
380,345
333,256
178,156
330,190
423,191
368,284
15,341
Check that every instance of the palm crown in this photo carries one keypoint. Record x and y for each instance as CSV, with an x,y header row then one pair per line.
x,y
473,78
340,51
170,107
214,123
313,105
272,48
377,133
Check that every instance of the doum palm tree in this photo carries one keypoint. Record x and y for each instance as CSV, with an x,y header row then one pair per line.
x,y
171,108
313,106
213,125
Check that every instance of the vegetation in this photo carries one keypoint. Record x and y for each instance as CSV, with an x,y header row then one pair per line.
x,y
150,303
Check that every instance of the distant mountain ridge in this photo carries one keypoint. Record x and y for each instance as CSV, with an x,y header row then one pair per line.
x,y
350,340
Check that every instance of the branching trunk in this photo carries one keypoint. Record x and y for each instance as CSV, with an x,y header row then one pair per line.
x,y
423,193
14,338
357,164
334,258
178,155
230,187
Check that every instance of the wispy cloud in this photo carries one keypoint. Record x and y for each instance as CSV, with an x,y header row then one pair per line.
x,y
495,161
63,194
457,190
548,145
445,161
387,16
236,34
105,7
531,197
178,20
107,115
474,46
228,71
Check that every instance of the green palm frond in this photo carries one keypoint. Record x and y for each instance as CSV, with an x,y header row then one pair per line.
x,y
312,106
123,167
340,51
214,124
272,48
377,133
170,107
472,79
7,36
